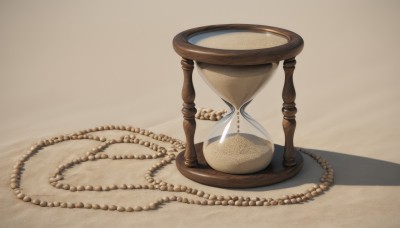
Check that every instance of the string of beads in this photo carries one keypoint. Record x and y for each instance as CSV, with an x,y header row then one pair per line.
x,y
167,155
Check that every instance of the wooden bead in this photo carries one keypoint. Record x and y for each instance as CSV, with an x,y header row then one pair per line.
x,y
80,188
20,195
138,186
153,206
89,187
314,193
43,204
36,201
27,199
163,188
200,193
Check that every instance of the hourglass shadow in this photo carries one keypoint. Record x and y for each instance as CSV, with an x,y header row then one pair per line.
x,y
349,170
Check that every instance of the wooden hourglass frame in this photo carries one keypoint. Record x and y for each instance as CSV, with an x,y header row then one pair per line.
x,y
287,161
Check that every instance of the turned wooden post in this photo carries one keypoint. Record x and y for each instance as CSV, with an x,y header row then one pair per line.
x,y
289,111
189,111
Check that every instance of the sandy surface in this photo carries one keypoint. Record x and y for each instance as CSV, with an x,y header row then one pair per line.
x,y
70,65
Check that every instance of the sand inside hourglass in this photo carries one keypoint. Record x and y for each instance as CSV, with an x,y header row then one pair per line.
x,y
240,153
236,84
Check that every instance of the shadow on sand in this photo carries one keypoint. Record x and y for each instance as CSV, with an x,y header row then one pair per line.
x,y
349,170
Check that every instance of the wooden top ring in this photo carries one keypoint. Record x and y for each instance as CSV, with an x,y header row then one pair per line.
x,y
194,52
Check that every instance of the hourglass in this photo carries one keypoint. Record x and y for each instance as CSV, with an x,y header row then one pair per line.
x,y
236,61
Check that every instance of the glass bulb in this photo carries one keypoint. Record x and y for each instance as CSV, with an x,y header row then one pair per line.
x,y
237,143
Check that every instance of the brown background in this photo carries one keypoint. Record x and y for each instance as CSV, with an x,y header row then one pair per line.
x,y
69,65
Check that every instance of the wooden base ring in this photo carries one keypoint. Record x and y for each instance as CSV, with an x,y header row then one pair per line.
x,y
204,174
